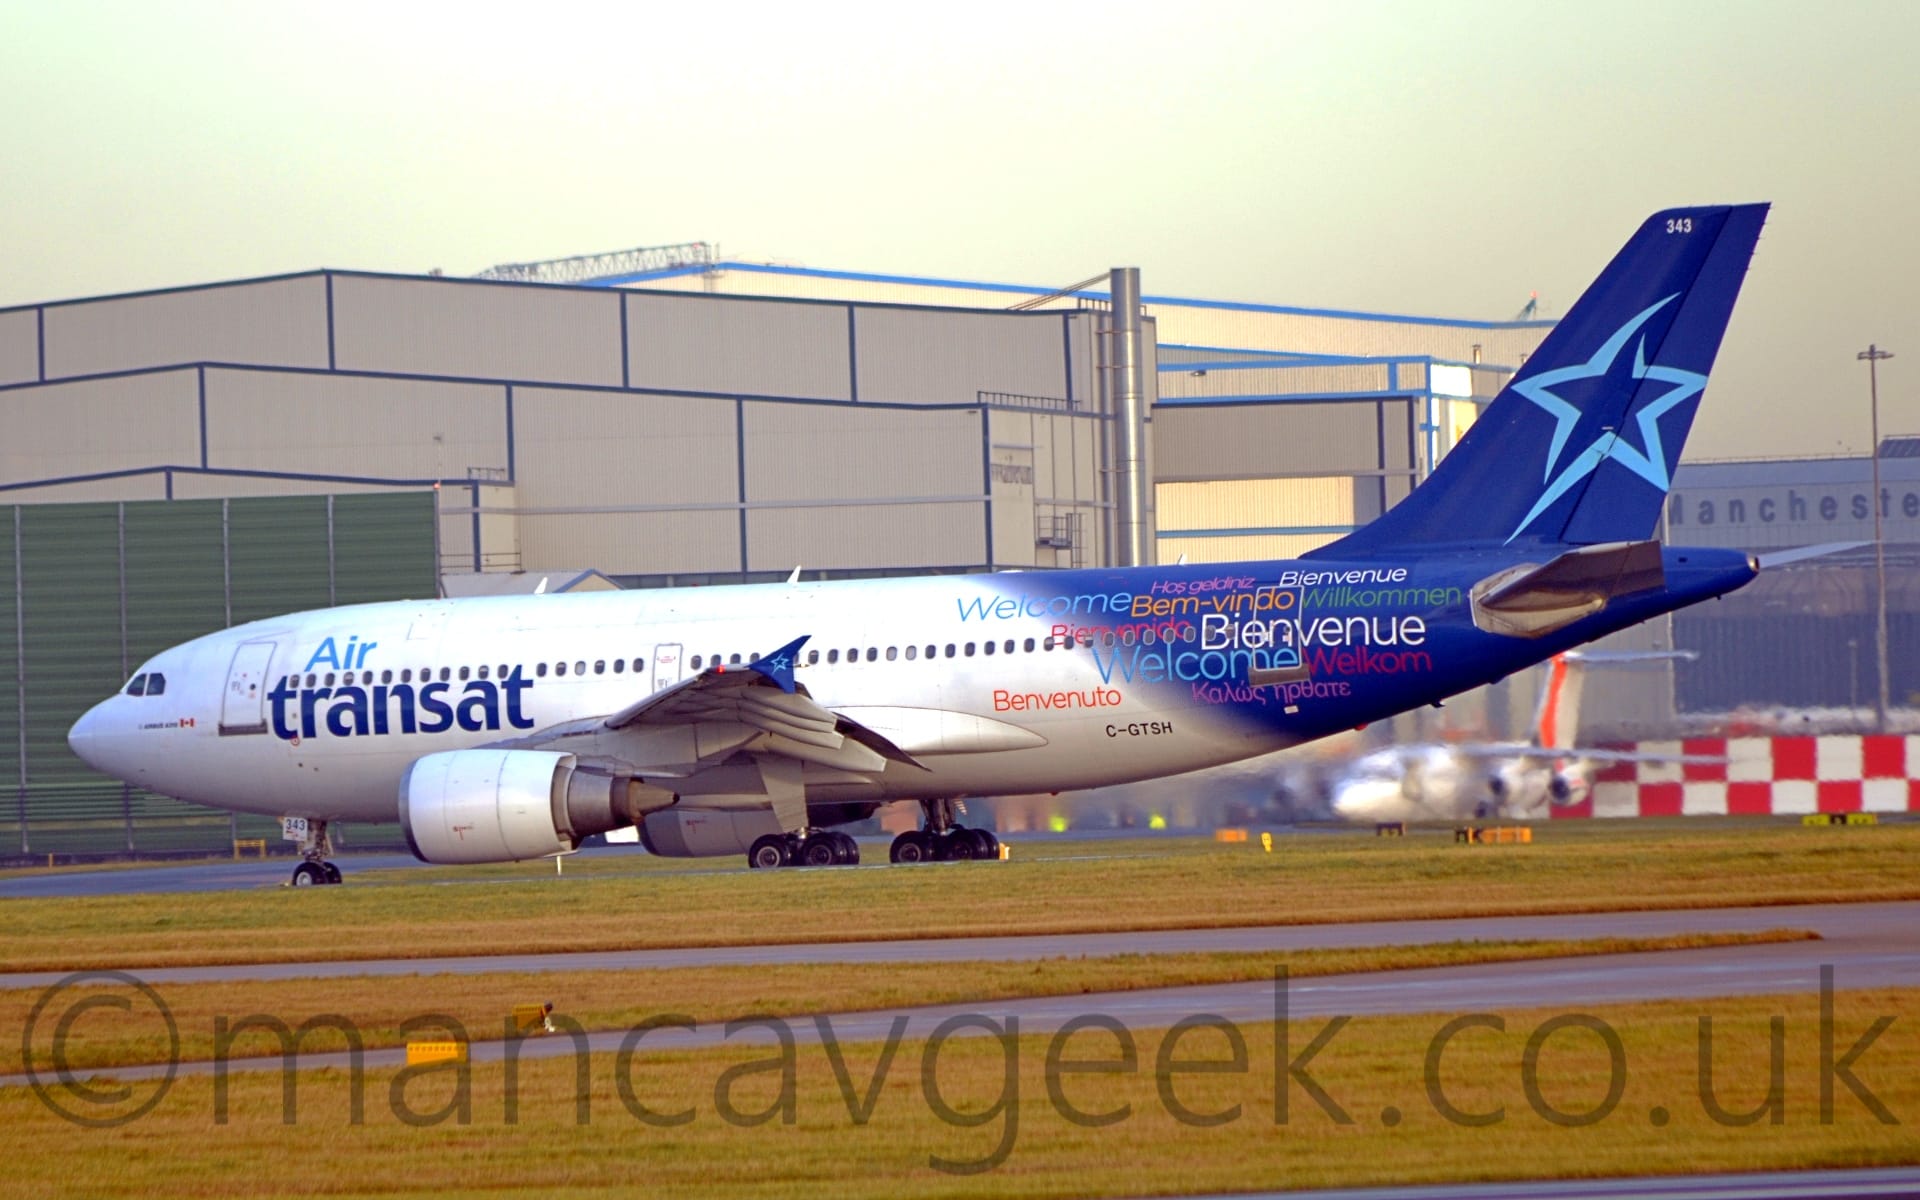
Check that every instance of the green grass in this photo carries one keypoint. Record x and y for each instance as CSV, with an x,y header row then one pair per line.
x,y
599,1000
1018,1133
618,902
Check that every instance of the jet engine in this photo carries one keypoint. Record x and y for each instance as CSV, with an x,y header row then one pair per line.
x,y
481,806
1570,784
1514,789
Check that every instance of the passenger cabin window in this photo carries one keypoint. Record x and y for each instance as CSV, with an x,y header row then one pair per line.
x,y
734,659
873,654
619,666
540,669
483,673
446,674
156,684
969,649
1009,646
463,674
639,664
561,668
600,666
949,649
1029,645
813,656
988,647
833,656
580,668
137,686
911,651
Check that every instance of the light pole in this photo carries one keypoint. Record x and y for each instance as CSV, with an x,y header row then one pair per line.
x,y
1873,355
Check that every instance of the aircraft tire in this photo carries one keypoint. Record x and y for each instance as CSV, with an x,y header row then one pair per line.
x,y
958,846
985,845
332,872
309,874
770,851
846,850
820,850
910,847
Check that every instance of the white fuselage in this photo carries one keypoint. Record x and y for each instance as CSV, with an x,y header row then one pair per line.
x,y
322,713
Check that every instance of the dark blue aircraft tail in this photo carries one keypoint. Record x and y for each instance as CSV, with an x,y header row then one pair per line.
x,y
1580,446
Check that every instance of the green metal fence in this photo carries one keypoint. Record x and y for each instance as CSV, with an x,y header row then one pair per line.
x,y
89,591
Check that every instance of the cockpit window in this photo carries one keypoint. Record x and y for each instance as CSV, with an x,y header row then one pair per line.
x,y
138,687
156,684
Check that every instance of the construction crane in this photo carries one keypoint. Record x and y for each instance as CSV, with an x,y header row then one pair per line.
x,y
614,263
1531,307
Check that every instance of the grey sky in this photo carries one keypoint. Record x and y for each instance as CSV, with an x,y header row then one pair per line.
x,y
1421,157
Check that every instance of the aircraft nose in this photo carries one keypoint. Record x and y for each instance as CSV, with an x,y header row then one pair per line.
x,y
88,736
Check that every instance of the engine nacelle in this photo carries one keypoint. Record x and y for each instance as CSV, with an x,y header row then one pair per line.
x,y
482,806
1515,788
1570,785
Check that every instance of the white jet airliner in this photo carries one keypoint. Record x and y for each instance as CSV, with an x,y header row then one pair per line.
x,y
753,719
1470,780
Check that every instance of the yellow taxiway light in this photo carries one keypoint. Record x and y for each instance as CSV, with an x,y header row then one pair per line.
x,y
419,1053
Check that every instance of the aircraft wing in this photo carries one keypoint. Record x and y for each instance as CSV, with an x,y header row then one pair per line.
x,y
1524,750
693,727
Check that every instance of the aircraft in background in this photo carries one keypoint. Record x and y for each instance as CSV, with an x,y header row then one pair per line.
x,y
754,719
1473,780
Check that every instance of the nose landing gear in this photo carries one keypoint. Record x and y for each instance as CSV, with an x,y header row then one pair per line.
x,y
314,868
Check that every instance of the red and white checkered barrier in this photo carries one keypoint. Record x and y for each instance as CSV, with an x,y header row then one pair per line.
x,y
1761,776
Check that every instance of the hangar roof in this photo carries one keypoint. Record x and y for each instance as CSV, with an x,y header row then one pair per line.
x,y
1855,468
1022,289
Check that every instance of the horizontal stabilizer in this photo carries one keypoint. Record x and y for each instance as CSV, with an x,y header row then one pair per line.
x,y
1780,558
1531,601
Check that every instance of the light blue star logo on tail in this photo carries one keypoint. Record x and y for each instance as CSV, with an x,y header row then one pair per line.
x,y
1649,460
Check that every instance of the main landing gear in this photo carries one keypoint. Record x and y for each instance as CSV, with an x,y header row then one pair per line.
x,y
943,840
815,848
314,868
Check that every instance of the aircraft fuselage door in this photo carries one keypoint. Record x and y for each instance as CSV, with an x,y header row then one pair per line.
x,y
243,706
666,666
